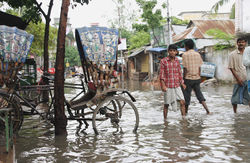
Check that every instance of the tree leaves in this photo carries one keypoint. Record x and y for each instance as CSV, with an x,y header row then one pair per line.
x,y
224,39
72,56
75,2
139,39
30,11
38,31
221,3
153,19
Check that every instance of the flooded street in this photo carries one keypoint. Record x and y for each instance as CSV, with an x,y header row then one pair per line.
x,y
220,137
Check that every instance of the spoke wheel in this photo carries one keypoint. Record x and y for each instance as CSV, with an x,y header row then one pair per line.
x,y
115,114
31,95
17,114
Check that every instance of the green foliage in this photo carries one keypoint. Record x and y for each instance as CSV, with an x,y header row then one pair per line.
x,y
140,27
125,33
225,38
70,36
177,21
72,56
81,1
221,3
139,39
218,4
232,14
38,31
153,19
30,10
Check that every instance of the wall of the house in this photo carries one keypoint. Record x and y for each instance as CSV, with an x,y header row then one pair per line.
x,y
130,67
138,67
242,16
217,16
220,58
137,64
191,16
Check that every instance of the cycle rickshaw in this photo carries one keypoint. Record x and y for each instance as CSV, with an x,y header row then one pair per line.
x,y
100,101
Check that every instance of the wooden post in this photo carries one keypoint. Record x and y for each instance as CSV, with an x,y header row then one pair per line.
x,y
151,64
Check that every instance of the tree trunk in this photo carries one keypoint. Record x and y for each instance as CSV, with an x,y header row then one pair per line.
x,y
60,118
46,49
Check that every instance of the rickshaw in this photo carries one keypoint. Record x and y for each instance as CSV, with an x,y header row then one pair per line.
x,y
109,108
100,100
14,47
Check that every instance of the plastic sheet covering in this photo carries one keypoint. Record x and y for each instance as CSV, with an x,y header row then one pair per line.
x,y
98,43
14,47
14,44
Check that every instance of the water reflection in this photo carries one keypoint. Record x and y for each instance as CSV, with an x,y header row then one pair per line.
x,y
219,137
241,141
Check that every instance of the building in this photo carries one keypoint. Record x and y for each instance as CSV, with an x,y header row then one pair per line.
x,y
203,15
196,30
242,18
143,63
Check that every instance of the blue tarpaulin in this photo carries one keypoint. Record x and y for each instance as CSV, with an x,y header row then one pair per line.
x,y
158,49
181,49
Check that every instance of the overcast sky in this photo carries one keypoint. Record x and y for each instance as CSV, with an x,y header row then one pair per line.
x,y
103,10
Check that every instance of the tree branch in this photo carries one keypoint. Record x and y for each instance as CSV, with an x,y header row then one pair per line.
x,y
41,10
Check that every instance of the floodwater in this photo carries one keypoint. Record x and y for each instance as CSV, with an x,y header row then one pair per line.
x,y
220,137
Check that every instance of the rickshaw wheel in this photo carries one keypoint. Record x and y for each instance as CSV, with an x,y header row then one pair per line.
x,y
16,115
116,114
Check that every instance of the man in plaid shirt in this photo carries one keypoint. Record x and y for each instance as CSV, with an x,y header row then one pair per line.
x,y
192,61
171,80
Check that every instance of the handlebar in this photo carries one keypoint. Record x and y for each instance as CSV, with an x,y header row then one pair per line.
x,y
19,77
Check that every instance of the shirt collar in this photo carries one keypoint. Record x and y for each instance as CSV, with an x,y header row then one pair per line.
x,y
168,58
239,51
191,50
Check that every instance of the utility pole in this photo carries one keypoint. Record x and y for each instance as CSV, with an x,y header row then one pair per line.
x,y
119,21
169,40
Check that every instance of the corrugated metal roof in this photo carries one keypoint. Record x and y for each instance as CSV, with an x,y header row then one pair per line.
x,y
177,29
197,29
137,51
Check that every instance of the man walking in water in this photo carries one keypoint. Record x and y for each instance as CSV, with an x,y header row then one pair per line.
x,y
192,61
240,94
171,79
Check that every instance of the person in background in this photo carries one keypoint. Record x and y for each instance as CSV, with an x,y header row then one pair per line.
x,y
170,80
240,93
246,62
192,61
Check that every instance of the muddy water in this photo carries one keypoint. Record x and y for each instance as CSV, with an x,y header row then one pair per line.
x,y
219,137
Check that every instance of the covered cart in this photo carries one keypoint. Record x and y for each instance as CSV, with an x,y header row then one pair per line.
x,y
103,103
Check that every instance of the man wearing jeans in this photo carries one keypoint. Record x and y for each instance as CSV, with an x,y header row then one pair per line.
x,y
192,61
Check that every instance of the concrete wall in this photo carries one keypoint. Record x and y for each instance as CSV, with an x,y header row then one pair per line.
x,y
192,16
242,16
220,58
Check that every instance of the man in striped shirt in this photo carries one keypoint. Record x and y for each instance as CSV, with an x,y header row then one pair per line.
x,y
171,79
192,61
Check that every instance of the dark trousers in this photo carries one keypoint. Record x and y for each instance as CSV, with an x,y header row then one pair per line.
x,y
193,85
